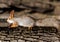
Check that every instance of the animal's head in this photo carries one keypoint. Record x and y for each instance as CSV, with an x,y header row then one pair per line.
x,y
11,14
9,20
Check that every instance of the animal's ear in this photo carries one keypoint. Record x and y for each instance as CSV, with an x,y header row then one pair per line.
x,y
11,14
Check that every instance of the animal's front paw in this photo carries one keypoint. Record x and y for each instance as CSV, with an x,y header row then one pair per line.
x,y
14,25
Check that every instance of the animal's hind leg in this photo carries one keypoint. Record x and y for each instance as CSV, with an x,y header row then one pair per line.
x,y
29,28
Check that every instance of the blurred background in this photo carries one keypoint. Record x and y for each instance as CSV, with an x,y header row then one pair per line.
x,y
36,9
